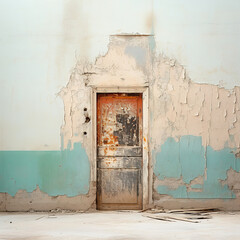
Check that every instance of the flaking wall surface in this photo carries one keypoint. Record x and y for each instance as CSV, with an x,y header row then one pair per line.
x,y
194,125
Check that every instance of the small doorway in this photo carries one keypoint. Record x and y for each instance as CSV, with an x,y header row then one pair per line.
x,y
119,151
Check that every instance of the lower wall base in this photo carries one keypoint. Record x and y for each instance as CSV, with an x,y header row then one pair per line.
x,y
222,204
39,201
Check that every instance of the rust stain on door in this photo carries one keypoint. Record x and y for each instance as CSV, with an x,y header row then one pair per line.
x,y
119,156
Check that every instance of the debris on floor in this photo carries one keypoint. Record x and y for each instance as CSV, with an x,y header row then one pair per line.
x,y
186,215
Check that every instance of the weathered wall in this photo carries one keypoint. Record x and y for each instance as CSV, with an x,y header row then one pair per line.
x,y
189,65
194,128
196,149
194,131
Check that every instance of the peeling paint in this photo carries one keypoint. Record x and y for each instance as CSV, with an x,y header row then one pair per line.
x,y
194,139
188,163
182,107
189,122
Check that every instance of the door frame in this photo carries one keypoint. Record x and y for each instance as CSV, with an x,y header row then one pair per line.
x,y
145,168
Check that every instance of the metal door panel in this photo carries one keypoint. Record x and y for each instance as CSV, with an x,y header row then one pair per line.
x,y
119,151
120,162
119,186
118,120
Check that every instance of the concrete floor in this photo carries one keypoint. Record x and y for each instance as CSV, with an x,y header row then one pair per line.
x,y
114,225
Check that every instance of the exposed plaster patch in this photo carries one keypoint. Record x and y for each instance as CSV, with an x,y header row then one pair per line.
x,y
195,185
173,183
116,68
182,107
177,105
168,202
233,181
40,201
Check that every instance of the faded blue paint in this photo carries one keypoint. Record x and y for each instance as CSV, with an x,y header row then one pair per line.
x,y
197,186
184,158
190,155
192,158
56,173
167,161
138,53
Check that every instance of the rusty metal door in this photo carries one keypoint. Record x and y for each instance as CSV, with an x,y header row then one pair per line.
x,y
119,151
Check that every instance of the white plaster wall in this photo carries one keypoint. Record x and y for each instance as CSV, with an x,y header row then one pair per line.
x,y
41,41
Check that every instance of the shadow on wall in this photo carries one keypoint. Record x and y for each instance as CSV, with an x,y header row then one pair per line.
x,y
56,173
186,161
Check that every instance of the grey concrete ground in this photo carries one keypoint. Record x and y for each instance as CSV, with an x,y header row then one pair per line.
x,y
114,225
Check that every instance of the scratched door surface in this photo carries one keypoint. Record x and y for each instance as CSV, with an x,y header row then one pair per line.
x,y
119,151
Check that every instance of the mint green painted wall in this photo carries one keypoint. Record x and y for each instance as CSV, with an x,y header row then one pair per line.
x,y
67,172
187,159
184,158
56,173
40,44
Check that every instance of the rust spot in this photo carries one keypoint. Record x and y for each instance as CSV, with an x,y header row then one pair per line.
x,y
105,151
118,119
